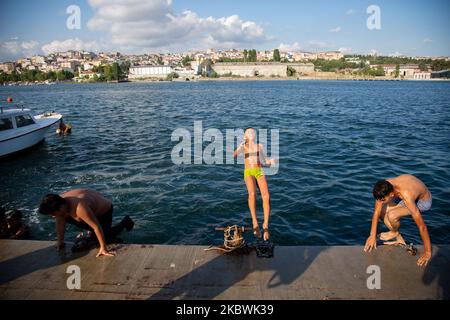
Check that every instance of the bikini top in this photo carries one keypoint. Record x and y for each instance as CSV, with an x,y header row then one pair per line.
x,y
251,154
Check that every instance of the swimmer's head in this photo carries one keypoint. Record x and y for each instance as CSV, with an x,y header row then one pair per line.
x,y
54,205
250,134
383,191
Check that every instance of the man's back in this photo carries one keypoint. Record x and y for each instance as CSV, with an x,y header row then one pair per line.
x,y
410,185
91,198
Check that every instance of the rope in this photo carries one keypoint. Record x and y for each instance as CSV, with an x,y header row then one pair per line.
x,y
232,239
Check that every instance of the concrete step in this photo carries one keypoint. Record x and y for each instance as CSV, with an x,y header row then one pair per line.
x,y
34,270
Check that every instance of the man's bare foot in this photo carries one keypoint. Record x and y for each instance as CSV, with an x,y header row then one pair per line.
x,y
386,236
266,234
257,232
392,243
399,241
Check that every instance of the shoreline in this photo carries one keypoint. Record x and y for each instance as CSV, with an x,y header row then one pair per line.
x,y
205,79
311,79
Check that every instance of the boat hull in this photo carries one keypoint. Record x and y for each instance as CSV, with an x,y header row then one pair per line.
x,y
22,142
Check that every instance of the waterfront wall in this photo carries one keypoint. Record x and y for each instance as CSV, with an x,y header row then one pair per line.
x,y
261,69
303,68
142,72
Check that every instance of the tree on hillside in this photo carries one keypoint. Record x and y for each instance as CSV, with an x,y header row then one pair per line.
x,y
115,70
441,64
380,71
423,66
124,70
276,55
51,75
107,72
186,61
397,71
250,55
60,76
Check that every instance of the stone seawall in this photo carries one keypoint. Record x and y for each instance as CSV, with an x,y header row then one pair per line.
x,y
261,69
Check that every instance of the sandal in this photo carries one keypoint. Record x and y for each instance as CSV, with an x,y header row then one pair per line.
x,y
257,232
266,234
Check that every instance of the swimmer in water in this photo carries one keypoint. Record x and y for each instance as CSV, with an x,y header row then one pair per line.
x,y
64,128
255,156
396,198
12,227
16,228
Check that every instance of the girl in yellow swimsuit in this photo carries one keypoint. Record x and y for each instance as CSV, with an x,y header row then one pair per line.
x,y
254,155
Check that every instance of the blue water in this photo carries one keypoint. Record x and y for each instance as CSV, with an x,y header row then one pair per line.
x,y
336,140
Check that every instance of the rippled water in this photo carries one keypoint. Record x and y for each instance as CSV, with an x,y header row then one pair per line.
x,y
336,140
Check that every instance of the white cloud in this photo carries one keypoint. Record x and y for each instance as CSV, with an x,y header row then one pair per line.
x,y
396,54
12,49
134,25
70,44
350,12
345,50
319,44
29,45
337,29
427,40
373,52
289,47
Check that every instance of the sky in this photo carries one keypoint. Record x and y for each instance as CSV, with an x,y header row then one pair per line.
x,y
406,27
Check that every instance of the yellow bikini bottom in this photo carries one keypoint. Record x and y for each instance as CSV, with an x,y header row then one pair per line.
x,y
253,172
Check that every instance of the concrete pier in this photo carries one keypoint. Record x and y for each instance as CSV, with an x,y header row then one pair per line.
x,y
34,270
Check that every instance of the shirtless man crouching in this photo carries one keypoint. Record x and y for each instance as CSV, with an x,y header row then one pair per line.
x,y
396,198
86,209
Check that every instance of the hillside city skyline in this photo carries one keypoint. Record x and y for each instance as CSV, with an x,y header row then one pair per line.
x,y
387,28
231,53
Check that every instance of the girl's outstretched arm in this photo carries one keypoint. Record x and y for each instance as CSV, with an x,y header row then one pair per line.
x,y
263,158
239,149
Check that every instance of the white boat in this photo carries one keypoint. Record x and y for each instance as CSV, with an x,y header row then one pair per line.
x,y
20,130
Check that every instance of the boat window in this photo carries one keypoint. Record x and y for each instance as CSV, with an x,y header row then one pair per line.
x,y
5,124
24,120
